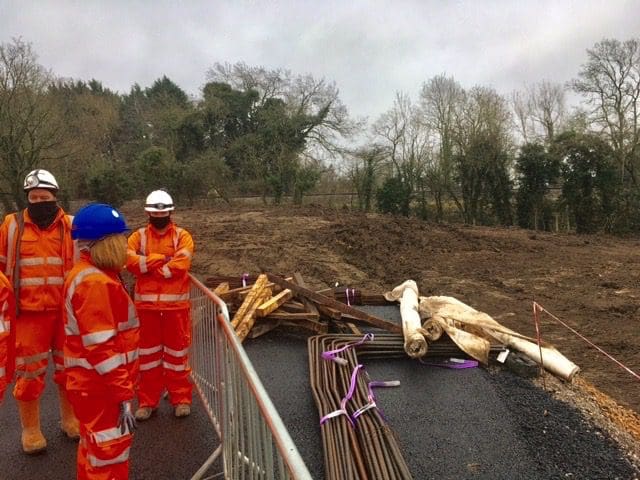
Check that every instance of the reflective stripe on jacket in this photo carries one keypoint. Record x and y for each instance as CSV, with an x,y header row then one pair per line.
x,y
102,333
7,309
161,265
45,258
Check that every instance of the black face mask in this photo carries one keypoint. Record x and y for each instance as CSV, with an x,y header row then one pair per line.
x,y
160,222
43,213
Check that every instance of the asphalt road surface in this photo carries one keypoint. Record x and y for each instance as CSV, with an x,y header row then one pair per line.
x,y
452,424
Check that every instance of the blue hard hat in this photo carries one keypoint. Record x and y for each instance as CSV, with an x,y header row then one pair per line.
x,y
96,221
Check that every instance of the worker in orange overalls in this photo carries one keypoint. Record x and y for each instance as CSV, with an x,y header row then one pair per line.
x,y
159,256
7,342
36,253
101,344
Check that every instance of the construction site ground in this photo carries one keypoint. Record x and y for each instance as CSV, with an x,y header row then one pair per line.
x,y
591,282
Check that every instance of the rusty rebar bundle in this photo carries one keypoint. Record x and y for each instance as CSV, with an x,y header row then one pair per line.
x,y
365,447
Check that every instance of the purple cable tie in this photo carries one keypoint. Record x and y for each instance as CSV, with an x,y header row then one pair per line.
x,y
346,398
452,364
245,277
372,398
331,354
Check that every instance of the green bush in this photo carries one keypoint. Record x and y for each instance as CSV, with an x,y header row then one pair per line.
x,y
394,197
110,183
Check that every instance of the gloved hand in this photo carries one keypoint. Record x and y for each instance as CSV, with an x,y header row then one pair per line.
x,y
126,420
155,261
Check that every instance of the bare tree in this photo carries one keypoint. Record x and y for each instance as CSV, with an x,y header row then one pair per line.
x,y
610,84
441,99
364,173
406,141
521,106
547,107
30,128
539,111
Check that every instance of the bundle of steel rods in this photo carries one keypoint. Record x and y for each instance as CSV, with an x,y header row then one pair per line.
x,y
357,441
390,345
355,446
356,296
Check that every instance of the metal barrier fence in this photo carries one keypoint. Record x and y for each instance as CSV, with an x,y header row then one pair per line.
x,y
254,442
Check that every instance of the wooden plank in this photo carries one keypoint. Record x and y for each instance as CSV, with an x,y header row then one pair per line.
x,y
297,278
239,293
280,315
248,304
330,312
274,303
329,302
293,306
265,325
316,327
222,288
246,323
353,328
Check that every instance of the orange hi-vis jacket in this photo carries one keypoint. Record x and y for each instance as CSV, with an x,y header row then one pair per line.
x,y
161,265
43,260
7,310
102,333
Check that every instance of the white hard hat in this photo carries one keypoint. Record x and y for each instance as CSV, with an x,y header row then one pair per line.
x,y
40,179
159,201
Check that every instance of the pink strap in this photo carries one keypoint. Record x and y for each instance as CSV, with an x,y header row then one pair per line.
x,y
346,398
452,363
372,398
331,354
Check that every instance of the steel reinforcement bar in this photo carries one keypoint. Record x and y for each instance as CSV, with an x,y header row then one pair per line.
x,y
254,443
357,441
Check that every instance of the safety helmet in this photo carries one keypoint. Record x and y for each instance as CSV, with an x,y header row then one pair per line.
x,y
96,221
159,201
40,179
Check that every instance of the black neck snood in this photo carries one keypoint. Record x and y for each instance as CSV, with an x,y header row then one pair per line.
x,y
160,222
43,213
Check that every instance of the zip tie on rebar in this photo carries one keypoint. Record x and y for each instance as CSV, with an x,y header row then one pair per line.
x,y
345,399
452,363
353,295
245,277
372,398
331,354
610,357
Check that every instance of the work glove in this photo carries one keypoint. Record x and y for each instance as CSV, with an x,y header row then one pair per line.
x,y
154,261
126,420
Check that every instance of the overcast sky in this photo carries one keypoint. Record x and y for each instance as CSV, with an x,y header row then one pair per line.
x,y
371,49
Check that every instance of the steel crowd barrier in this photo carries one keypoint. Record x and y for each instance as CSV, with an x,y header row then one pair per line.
x,y
254,443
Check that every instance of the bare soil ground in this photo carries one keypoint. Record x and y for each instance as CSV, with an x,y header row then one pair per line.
x,y
590,282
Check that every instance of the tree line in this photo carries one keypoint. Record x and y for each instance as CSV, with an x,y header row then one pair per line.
x,y
453,153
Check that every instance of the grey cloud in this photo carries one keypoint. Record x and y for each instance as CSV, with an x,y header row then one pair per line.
x,y
371,49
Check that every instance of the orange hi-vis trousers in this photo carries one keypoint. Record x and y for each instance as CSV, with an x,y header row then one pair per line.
x,y
36,334
165,338
103,451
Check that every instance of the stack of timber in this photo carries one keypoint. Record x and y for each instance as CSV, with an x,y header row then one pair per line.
x,y
264,302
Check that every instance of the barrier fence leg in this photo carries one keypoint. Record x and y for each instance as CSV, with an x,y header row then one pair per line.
x,y
206,465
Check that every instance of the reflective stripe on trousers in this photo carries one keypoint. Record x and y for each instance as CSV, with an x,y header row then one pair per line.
x,y
163,297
